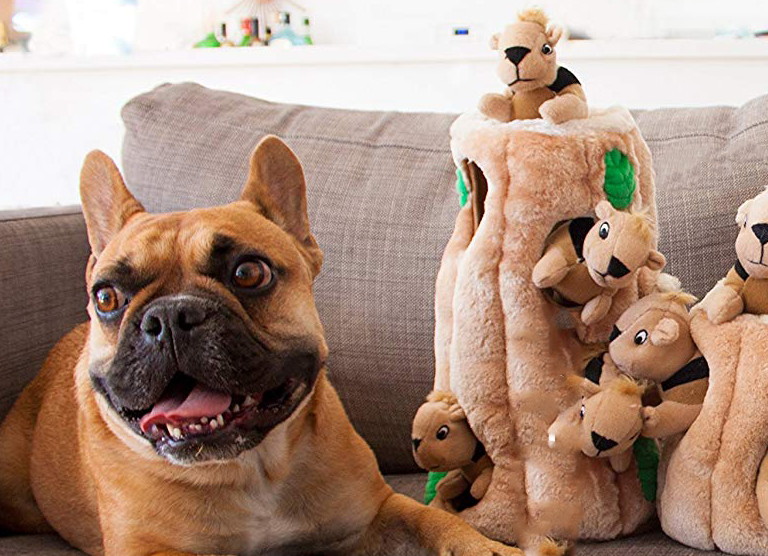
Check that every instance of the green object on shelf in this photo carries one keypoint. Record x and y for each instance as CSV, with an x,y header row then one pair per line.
x,y
430,489
619,182
647,457
461,187
247,41
210,41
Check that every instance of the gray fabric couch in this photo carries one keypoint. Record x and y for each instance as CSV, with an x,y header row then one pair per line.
x,y
382,204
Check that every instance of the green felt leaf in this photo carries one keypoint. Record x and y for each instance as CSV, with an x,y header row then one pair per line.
x,y
619,184
461,187
647,457
430,489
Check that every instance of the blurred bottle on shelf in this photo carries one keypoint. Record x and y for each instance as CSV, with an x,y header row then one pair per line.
x,y
306,35
284,36
222,37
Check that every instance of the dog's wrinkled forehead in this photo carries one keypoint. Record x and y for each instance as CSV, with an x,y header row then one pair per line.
x,y
180,245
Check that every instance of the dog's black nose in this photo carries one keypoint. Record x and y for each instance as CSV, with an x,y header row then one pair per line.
x,y
616,268
175,316
761,231
416,442
602,443
515,54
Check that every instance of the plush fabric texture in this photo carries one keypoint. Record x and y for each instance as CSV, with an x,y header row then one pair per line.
x,y
709,495
508,359
42,289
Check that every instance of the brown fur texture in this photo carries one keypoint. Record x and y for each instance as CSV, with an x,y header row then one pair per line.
x,y
507,353
654,344
715,487
442,441
70,463
528,78
745,288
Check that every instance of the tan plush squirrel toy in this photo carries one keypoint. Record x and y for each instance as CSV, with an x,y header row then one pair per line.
x,y
605,424
443,441
745,288
617,246
536,86
652,341
586,262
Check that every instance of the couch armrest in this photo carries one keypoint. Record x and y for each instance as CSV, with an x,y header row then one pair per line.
x,y
43,253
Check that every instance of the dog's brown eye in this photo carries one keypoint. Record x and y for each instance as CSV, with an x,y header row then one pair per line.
x,y
108,299
252,274
546,49
442,432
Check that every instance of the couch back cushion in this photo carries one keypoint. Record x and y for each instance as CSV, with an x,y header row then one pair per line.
x,y
382,205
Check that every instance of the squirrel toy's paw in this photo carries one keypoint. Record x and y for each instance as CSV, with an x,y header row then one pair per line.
x,y
496,106
651,419
551,269
723,305
596,309
563,108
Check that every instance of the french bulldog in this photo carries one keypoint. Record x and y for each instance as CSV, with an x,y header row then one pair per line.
x,y
193,414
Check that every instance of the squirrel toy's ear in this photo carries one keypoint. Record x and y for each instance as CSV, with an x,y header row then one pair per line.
x,y
743,213
665,332
604,210
494,42
456,413
656,260
582,386
554,34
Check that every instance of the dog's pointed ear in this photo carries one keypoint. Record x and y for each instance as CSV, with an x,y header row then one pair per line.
x,y
107,203
276,185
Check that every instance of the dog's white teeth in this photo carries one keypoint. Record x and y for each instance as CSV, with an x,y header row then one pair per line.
x,y
204,420
175,432
248,402
196,427
220,420
236,408
214,425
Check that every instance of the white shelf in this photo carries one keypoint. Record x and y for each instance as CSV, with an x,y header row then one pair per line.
x,y
651,49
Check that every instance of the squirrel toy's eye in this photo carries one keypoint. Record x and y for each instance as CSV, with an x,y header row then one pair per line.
x,y
108,299
641,337
604,230
582,411
442,432
546,49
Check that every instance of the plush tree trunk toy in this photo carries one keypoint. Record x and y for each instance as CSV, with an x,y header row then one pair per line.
x,y
745,288
501,345
443,442
536,86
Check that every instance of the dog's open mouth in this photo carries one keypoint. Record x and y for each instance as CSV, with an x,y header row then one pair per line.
x,y
190,411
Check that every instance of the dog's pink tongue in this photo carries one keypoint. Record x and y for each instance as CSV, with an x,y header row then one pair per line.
x,y
177,408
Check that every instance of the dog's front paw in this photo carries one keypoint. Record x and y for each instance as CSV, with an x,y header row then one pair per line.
x,y
477,545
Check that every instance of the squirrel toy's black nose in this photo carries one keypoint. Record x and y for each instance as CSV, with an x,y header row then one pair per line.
x,y
416,442
616,268
515,54
761,231
602,443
